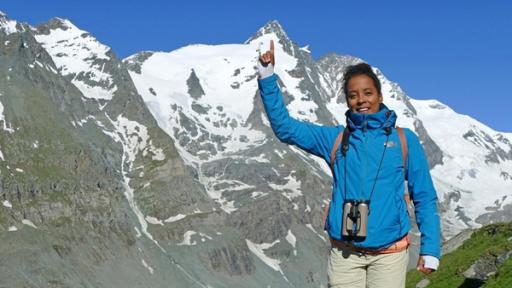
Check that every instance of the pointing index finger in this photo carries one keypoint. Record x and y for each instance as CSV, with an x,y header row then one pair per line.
x,y
272,46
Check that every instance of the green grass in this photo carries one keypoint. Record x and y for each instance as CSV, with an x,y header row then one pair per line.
x,y
487,242
502,279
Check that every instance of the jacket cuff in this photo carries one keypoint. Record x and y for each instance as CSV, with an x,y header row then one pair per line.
x,y
431,262
268,80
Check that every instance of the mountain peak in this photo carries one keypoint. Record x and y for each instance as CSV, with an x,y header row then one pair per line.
x,y
272,27
60,23
7,25
333,59
57,23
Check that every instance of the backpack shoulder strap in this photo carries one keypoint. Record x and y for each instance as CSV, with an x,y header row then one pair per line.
x,y
337,143
403,144
342,137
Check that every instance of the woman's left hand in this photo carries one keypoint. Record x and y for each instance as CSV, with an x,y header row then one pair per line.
x,y
421,266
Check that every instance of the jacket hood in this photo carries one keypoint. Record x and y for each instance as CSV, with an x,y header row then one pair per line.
x,y
383,119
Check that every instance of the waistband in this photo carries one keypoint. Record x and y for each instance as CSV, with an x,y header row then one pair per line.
x,y
396,247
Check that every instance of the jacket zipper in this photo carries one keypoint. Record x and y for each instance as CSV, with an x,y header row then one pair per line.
x,y
365,164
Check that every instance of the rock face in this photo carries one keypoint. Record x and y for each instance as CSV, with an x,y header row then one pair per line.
x,y
484,268
456,241
74,169
162,168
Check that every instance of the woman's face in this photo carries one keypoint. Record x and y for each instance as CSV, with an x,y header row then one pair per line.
x,y
363,96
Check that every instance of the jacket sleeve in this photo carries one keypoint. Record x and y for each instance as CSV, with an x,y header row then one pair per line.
x,y
424,197
312,138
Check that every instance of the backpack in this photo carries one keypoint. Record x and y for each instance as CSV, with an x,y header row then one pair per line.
x,y
343,138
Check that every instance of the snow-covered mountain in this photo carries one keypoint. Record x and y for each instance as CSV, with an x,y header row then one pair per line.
x,y
178,146
471,163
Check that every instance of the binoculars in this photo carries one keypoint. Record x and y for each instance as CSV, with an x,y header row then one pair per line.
x,y
355,219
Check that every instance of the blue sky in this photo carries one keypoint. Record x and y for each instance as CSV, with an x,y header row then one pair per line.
x,y
459,52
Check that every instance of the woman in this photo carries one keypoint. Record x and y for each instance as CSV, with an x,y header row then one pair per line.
x,y
367,220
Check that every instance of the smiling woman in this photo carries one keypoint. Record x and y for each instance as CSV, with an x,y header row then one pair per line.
x,y
367,219
362,89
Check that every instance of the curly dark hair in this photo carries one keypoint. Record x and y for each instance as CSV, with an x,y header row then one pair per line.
x,y
360,69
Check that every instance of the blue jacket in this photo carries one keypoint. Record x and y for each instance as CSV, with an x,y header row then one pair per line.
x,y
388,220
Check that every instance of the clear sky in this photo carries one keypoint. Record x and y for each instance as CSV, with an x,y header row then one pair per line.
x,y
459,52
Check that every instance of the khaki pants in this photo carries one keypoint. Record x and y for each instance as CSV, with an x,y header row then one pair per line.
x,y
349,269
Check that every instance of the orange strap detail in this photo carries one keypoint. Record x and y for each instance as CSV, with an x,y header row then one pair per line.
x,y
334,148
403,144
337,143
398,246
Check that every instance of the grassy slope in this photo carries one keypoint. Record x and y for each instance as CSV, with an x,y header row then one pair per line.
x,y
502,279
488,242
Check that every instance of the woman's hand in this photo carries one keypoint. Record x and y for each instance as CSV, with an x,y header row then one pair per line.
x,y
266,62
268,57
421,266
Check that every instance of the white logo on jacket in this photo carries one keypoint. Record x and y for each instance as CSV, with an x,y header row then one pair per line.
x,y
390,144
